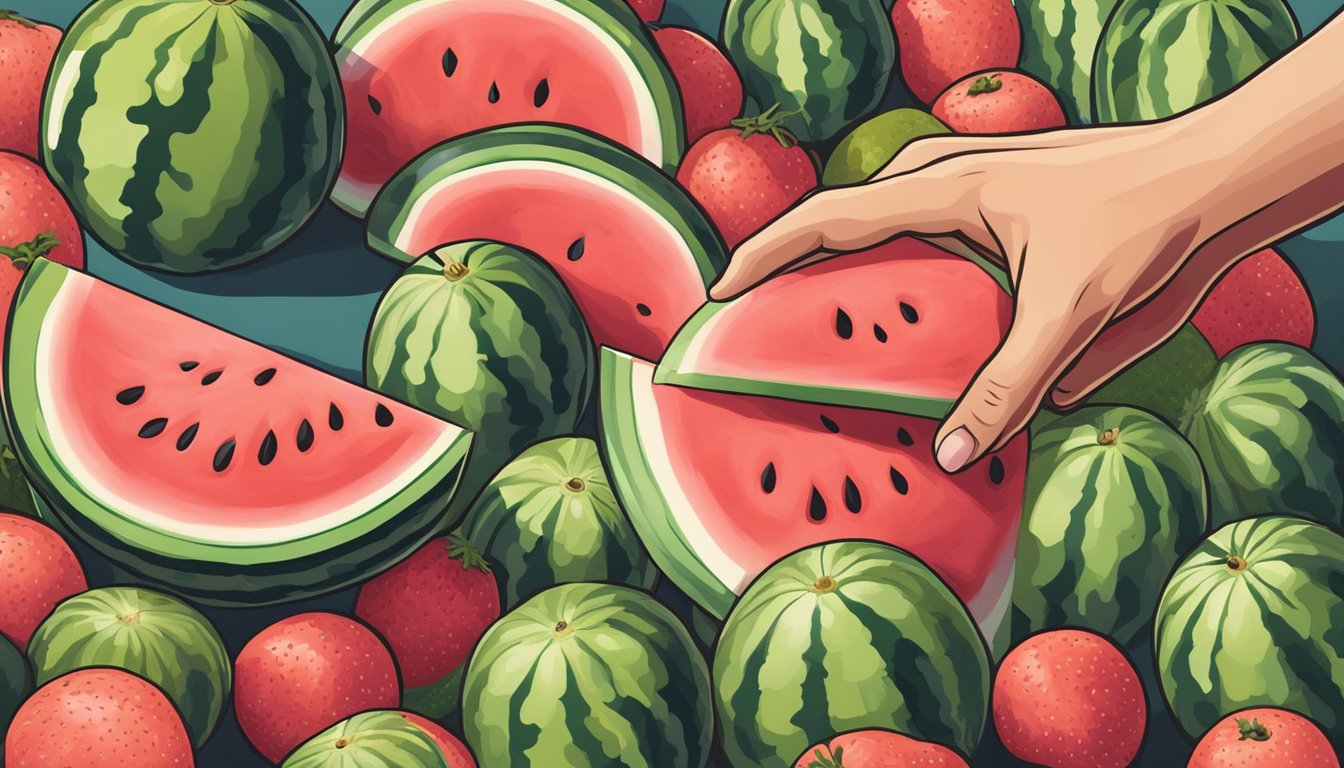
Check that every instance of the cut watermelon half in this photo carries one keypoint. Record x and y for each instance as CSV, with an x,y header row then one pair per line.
x,y
632,248
418,72
206,462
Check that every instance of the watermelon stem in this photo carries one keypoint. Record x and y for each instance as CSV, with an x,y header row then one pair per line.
x,y
823,585
455,270
575,484
1253,730
471,557
1236,564
985,84
770,121
24,21
1109,436
832,760
23,254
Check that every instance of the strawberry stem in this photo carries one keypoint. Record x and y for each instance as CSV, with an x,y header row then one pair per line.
x,y
770,121
8,15
833,760
23,254
471,557
1252,730
985,84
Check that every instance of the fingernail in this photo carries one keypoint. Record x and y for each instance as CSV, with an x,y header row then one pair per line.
x,y
955,450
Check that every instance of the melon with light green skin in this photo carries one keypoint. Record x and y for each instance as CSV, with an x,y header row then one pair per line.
x,y
146,633
16,682
377,739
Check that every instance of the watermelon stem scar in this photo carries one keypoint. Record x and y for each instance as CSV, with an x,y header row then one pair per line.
x,y
823,585
1108,437
770,122
1236,564
575,484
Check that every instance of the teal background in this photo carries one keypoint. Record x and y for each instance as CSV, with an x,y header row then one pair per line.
x,y
315,298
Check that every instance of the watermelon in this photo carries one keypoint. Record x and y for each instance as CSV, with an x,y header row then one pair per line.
x,y
1114,498
16,682
1158,58
260,500
841,636
228,126
1269,427
149,634
634,250
1059,43
588,675
417,72
379,738
550,517
1251,617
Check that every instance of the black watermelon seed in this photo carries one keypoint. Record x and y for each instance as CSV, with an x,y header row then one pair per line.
x,y
188,435
188,365
899,482
449,62
334,418
904,437
382,416
541,94
264,378
879,333
995,470
268,448
643,309
768,478
844,327
211,378
224,455
375,105
816,506
828,424
493,96
129,395
153,428
576,249
853,501
305,437
908,312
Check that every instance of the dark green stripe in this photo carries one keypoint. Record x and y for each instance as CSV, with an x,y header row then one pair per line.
x,y
520,736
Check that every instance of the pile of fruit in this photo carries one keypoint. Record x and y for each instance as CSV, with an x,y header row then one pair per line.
x,y
574,515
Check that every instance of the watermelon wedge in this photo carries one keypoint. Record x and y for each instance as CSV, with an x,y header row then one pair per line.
x,y
418,72
207,463
632,248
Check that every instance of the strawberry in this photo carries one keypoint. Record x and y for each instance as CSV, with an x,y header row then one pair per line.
x,y
35,220
942,41
1264,737
26,51
877,748
648,10
1069,698
1261,298
37,571
747,175
999,102
711,90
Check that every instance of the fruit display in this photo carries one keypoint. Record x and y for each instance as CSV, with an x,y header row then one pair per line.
x,y
998,102
711,90
1262,298
1264,736
873,143
26,50
380,739
877,748
939,42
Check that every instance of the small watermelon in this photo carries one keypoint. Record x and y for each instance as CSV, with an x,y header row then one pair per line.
x,y
634,250
417,73
826,62
1269,428
589,675
1262,298
1114,498
847,635
1059,43
1158,58
381,738
550,517
16,682
1251,617
1165,380
229,126
240,476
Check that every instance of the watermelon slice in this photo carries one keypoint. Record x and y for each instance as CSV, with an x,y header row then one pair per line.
x,y
200,460
417,72
632,248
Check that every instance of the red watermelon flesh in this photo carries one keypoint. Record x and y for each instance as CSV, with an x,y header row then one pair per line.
x,y
1261,298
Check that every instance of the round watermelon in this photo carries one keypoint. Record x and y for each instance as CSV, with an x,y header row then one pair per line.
x,y
826,62
149,634
1251,617
193,135
1114,498
16,682
377,739
419,72
1059,43
1269,427
550,517
1158,58
841,636
589,676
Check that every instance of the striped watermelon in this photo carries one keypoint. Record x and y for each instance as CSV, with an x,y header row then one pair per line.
x,y
1252,617
16,682
841,636
550,517
380,738
1158,58
149,634
1269,428
228,125
1114,498
828,62
588,675
1059,42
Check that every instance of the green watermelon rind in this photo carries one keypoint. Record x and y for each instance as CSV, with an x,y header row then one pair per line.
x,y
210,572
374,739
1059,43
16,683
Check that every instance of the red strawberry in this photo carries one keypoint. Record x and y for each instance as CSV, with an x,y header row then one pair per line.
x,y
303,674
999,102
1264,737
747,175
878,748
98,718
1069,699
942,41
1262,298
711,91
26,51
454,751
37,571
648,10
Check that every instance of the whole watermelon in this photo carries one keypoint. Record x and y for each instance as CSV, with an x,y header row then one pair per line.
x,y
1114,497
152,635
1059,43
842,636
1158,58
826,61
377,739
588,676
1252,617
1269,428
550,517
193,135
16,682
